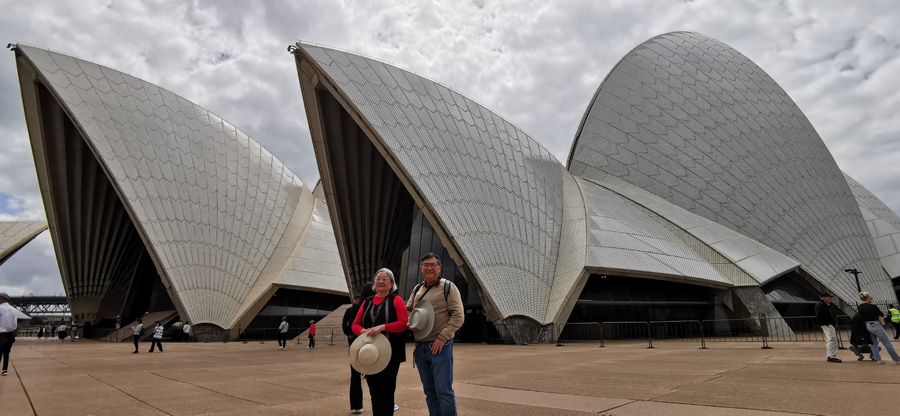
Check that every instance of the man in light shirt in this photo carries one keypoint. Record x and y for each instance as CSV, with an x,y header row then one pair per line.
x,y
282,333
434,352
7,330
138,331
186,328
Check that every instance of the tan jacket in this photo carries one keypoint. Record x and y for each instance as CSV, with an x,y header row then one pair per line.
x,y
448,314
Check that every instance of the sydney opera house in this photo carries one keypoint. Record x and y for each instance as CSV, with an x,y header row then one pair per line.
x,y
695,188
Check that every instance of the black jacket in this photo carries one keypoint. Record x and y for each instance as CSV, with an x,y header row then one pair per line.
x,y
347,323
824,315
859,335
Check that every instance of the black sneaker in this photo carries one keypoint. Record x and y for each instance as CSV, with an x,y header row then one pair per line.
x,y
5,373
834,360
855,350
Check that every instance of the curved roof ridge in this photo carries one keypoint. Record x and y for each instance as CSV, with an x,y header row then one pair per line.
x,y
224,120
538,142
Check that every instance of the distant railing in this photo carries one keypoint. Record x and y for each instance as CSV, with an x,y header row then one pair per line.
x,y
761,329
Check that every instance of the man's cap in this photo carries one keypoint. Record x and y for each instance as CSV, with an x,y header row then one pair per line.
x,y
825,295
422,319
4,296
370,355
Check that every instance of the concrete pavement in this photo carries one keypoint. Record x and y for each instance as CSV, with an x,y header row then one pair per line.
x,y
98,378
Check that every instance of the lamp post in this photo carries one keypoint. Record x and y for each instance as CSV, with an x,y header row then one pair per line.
x,y
855,274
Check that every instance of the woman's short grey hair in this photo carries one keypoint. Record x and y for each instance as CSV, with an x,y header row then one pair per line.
x,y
390,274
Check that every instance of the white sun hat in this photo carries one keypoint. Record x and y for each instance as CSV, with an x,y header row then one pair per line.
x,y
370,355
422,318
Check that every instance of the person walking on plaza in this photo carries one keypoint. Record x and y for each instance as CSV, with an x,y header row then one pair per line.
x,y
61,332
41,332
874,320
384,313
282,333
73,330
825,319
433,354
8,327
186,330
895,320
356,394
312,335
157,337
138,331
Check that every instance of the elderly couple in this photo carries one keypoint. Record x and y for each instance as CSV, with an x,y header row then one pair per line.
x,y
386,313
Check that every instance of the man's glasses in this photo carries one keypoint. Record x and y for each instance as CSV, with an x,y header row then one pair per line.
x,y
430,265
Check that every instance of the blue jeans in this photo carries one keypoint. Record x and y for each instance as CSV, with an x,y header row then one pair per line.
x,y
876,330
436,372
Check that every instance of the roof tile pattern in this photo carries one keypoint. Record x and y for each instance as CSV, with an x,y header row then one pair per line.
x,y
692,120
15,234
622,238
315,262
883,224
494,188
209,199
757,263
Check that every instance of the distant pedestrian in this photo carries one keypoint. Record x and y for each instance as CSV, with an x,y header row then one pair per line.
x,y
73,331
874,319
157,337
61,332
138,331
186,330
41,333
312,335
8,326
282,333
895,320
356,394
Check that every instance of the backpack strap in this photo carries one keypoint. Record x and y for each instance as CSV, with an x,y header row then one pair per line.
x,y
447,284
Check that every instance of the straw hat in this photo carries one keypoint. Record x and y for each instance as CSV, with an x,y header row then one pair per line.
x,y
422,318
370,355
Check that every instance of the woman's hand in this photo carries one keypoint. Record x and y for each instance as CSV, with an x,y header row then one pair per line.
x,y
375,330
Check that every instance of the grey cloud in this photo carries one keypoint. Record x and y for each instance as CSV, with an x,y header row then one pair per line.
x,y
534,62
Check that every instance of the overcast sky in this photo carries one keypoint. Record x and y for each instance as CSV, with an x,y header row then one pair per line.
x,y
536,63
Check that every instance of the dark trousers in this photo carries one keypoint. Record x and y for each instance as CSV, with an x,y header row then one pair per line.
x,y
187,337
154,342
137,338
282,339
6,341
896,329
382,387
312,341
356,395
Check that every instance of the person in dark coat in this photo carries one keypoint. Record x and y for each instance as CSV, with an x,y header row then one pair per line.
x,y
825,319
860,342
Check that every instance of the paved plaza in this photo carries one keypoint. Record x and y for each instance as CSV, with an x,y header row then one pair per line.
x,y
622,379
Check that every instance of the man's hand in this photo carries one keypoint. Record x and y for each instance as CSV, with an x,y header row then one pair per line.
x,y
437,346
411,328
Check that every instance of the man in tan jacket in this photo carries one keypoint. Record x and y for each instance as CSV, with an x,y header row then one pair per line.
x,y
434,353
